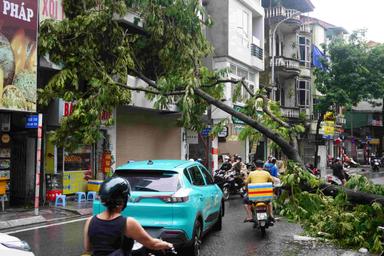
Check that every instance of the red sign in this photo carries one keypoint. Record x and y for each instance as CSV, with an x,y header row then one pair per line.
x,y
106,162
68,108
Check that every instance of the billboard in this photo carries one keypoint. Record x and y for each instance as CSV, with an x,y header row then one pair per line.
x,y
18,55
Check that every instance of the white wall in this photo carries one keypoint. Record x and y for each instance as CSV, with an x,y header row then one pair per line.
x,y
240,37
318,36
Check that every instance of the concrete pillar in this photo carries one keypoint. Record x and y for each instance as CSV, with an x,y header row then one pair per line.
x,y
184,145
215,153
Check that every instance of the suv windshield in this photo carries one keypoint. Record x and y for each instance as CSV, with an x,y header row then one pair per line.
x,y
151,181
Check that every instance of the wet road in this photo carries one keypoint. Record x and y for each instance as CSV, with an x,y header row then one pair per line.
x,y
236,238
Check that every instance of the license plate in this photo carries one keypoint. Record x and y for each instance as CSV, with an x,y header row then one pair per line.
x,y
262,216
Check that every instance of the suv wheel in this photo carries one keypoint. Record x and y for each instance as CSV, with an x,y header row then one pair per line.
x,y
194,248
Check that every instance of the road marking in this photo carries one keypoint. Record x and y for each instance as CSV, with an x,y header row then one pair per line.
x,y
46,226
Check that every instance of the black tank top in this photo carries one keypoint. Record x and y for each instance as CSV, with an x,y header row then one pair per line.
x,y
106,236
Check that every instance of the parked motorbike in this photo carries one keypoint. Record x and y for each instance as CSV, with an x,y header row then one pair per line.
x,y
233,184
349,162
375,163
313,170
139,250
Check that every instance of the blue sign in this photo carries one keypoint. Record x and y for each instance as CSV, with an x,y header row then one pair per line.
x,y
205,132
32,122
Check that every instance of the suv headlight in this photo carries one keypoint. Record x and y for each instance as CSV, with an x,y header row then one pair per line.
x,y
18,245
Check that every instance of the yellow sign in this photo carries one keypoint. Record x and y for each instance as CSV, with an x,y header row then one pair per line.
x,y
49,160
374,142
73,182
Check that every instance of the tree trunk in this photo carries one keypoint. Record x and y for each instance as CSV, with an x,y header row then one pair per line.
x,y
354,197
318,124
285,146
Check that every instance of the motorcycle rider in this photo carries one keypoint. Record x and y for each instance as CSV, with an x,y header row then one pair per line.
x,y
109,233
226,166
338,170
259,175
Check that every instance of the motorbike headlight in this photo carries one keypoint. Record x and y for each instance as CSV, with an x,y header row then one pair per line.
x,y
18,245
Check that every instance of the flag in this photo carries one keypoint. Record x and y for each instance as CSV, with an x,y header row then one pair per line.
x,y
317,57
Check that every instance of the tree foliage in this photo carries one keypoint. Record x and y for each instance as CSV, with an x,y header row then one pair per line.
x,y
331,218
98,54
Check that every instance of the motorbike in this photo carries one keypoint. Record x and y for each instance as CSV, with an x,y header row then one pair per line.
x,y
219,178
139,250
260,217
233,184
375,163
313,170
349,162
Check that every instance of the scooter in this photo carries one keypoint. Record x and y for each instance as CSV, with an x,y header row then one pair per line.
x,y
375,163
233,184
139,250
260,217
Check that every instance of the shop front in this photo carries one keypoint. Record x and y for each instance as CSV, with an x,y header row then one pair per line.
x,y
67,172
18,83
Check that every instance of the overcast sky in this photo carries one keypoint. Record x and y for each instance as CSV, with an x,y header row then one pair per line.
x,y
352,15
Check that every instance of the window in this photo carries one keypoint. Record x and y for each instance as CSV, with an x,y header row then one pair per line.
x,y
250,77
197,178
303,93
305,51
151,181
187,176
207,176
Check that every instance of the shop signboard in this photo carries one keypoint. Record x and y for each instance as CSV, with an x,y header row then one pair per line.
x,y
18,55
235,120
223,133
32,122
50,9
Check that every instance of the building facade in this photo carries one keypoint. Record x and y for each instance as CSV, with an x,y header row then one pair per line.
x,y
238,38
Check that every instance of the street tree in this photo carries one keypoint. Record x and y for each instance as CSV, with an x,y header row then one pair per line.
x,y
98,54
347,77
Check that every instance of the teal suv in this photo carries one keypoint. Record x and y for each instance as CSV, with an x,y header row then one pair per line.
x,y
174,200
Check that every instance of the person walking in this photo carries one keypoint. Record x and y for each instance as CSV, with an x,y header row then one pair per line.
x,y
111,234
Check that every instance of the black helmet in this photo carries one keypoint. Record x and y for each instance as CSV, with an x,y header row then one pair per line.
x,y
259,164
115,191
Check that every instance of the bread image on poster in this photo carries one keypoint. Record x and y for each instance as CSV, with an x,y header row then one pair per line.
x,y
18,55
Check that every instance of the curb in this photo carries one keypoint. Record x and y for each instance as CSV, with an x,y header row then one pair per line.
x,y
22,222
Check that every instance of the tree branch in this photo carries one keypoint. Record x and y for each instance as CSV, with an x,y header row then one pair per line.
x,y
146,90
288,150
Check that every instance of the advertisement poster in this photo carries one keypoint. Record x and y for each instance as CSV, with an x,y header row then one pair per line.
x,y
18,55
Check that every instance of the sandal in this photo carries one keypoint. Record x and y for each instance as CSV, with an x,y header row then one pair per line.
x,y
248,220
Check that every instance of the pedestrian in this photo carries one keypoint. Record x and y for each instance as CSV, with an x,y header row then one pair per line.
x,y
338,170
111,234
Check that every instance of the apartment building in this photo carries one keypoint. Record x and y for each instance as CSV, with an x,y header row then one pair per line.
x,y
238,38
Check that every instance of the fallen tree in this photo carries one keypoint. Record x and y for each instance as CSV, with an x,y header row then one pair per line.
x,y
344,215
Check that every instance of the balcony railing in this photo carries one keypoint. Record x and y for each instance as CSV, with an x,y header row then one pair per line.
x,y
286,63
305,28
257,51
289,112
280,11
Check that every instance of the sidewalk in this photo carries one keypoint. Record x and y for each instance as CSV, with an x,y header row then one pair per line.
x,y
17,217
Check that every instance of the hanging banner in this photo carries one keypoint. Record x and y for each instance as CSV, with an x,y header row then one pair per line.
x,y
18,55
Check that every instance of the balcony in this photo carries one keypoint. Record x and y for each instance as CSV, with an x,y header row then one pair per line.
x,y
280,12
287,64
290,112
305,29
257,57
257,51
